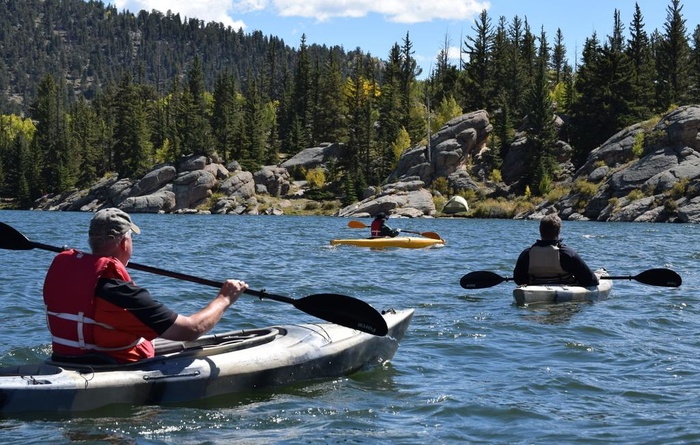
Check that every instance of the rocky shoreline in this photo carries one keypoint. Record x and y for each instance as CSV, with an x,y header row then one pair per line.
x,y
649,172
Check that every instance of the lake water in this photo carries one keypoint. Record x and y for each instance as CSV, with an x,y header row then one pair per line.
x,y
473,367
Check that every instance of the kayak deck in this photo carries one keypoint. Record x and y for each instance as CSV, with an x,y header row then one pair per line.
x,y
212,366
408,242
558,293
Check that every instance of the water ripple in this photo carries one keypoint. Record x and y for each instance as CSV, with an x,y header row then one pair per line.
x,y
473,367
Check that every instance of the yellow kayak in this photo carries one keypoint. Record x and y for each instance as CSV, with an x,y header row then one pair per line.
x,y
383,243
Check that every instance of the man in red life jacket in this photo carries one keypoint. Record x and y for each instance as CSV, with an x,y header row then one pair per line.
x,y
380,229
550,261
95,312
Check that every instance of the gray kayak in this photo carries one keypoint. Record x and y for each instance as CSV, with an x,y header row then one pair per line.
x,y
214,365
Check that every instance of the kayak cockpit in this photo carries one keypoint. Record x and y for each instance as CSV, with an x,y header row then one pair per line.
x,y
218,343
206,345
35,369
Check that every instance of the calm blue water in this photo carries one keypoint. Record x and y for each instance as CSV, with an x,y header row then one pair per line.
x,y
472,368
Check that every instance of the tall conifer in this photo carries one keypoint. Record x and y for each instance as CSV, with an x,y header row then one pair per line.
x,y
673,59
477,79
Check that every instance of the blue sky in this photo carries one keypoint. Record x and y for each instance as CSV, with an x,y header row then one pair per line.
x,y
375,25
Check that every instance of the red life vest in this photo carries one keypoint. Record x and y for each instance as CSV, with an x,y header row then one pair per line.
x,y
376,228
78,321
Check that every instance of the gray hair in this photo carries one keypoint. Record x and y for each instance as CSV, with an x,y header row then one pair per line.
x,y
106,245
550,226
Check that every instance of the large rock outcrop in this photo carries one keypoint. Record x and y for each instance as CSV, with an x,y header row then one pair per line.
x,y
409,199
313,157
451,148
184,187
448,155
644,173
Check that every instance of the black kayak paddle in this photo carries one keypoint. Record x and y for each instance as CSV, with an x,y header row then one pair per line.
x,y
655,277
339,309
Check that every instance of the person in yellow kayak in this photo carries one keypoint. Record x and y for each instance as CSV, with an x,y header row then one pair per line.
x,y
379,228
550,261
95,312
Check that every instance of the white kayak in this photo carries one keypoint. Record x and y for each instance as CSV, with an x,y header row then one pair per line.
x,y
558,293
214,365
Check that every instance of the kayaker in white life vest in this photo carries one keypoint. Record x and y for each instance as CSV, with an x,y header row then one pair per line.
x,y
550,261
379,228
95,312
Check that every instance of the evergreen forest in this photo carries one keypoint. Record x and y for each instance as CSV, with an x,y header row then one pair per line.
x,y
87,90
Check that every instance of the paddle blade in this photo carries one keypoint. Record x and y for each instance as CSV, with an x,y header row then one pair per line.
x,y
481,279
432,235
659,277
345,311
11,239
357,225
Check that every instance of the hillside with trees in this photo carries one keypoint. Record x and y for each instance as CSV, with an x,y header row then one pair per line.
x,y
86,90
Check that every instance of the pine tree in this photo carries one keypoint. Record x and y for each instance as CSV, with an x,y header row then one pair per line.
x,y
642,80
413,116
541,133
503,132
132,146
286,116
444,79
254,152
330,120
528,53
302,100
615,74
85,129
372,172
57,161
501,63
476,78
359,93
569,96
197,137
21,174
391,116
695,67
558,56
516,70
225,115
672,58
173,117
586,110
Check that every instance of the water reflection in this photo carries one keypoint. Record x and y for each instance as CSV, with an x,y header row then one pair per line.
x,y
558,313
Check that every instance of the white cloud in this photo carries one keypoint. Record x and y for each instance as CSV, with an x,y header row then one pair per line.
x,y
207,10
400,11
454,53
244,6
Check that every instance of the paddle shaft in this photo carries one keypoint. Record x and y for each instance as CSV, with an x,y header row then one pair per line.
x,y
177,275
621,277
335,308
206,282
